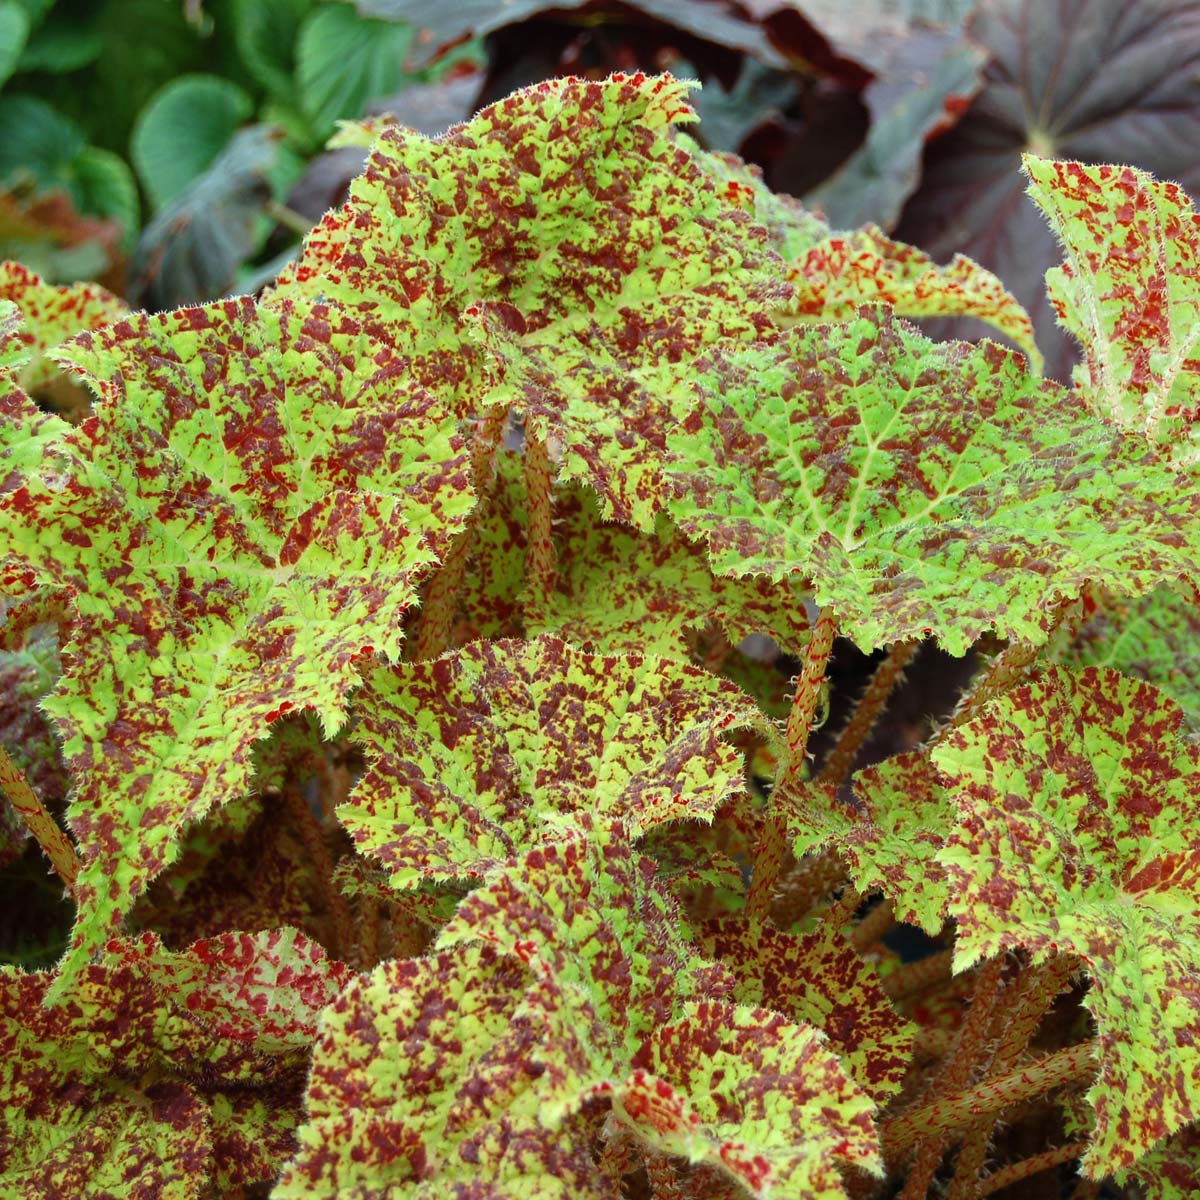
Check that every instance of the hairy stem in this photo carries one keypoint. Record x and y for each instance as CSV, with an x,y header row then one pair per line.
x,y
871,704
1037,988
947,1114
927,972
772,848
921,1171
801,887
874,925
27,804
1017,1171
313,837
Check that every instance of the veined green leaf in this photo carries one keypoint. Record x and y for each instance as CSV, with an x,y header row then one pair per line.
x,y
559,253
484,753
247,513
923,487
1078,806
1129,291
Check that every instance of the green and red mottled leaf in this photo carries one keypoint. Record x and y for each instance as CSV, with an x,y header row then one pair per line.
x,y
674,591
821,980
846,270
1153,638
50,315
922,487
266,989
745,1089
603,939
1129,292
1078,806
424,1075
117,1092
246,514
483,753
559,253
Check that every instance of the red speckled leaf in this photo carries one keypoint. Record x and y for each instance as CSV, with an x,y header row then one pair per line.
x,y
745,1089
1078,808
821,980
1129,292
620,590
561,253
246,515
845,270
497,747
1153,638
423,1085
923,487
51,314
118,1092
603,939
1087,80
266,989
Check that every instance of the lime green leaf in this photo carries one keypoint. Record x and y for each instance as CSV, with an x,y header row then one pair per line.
x,y
486,752
181,131
1129,291
889,838
423,1075
923,487
845,270
543,252
246,515
14,29
52,314
675,591
603,940
1153,638
746,1090
1078,807
818,979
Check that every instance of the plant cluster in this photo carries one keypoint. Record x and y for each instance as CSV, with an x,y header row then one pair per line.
x,y
388,646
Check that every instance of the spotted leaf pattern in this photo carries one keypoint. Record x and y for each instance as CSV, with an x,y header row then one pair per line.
x,y
559,253
1129,291
247,513
922,487
1078,802
483,753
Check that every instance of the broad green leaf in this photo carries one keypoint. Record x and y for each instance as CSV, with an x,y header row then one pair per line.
x,y
923,487
559,253
344,60
1153,638
673,591
821,980
181,131
484,753
14,29
1129,292
423,1085
246,514
846,270
265,32
746,1090
1078,804
105,185
38,141
52,314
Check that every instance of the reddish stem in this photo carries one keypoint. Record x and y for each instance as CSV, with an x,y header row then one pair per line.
x,y
1017,1171
540,570
441,599
946,1114
27,804
874,700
